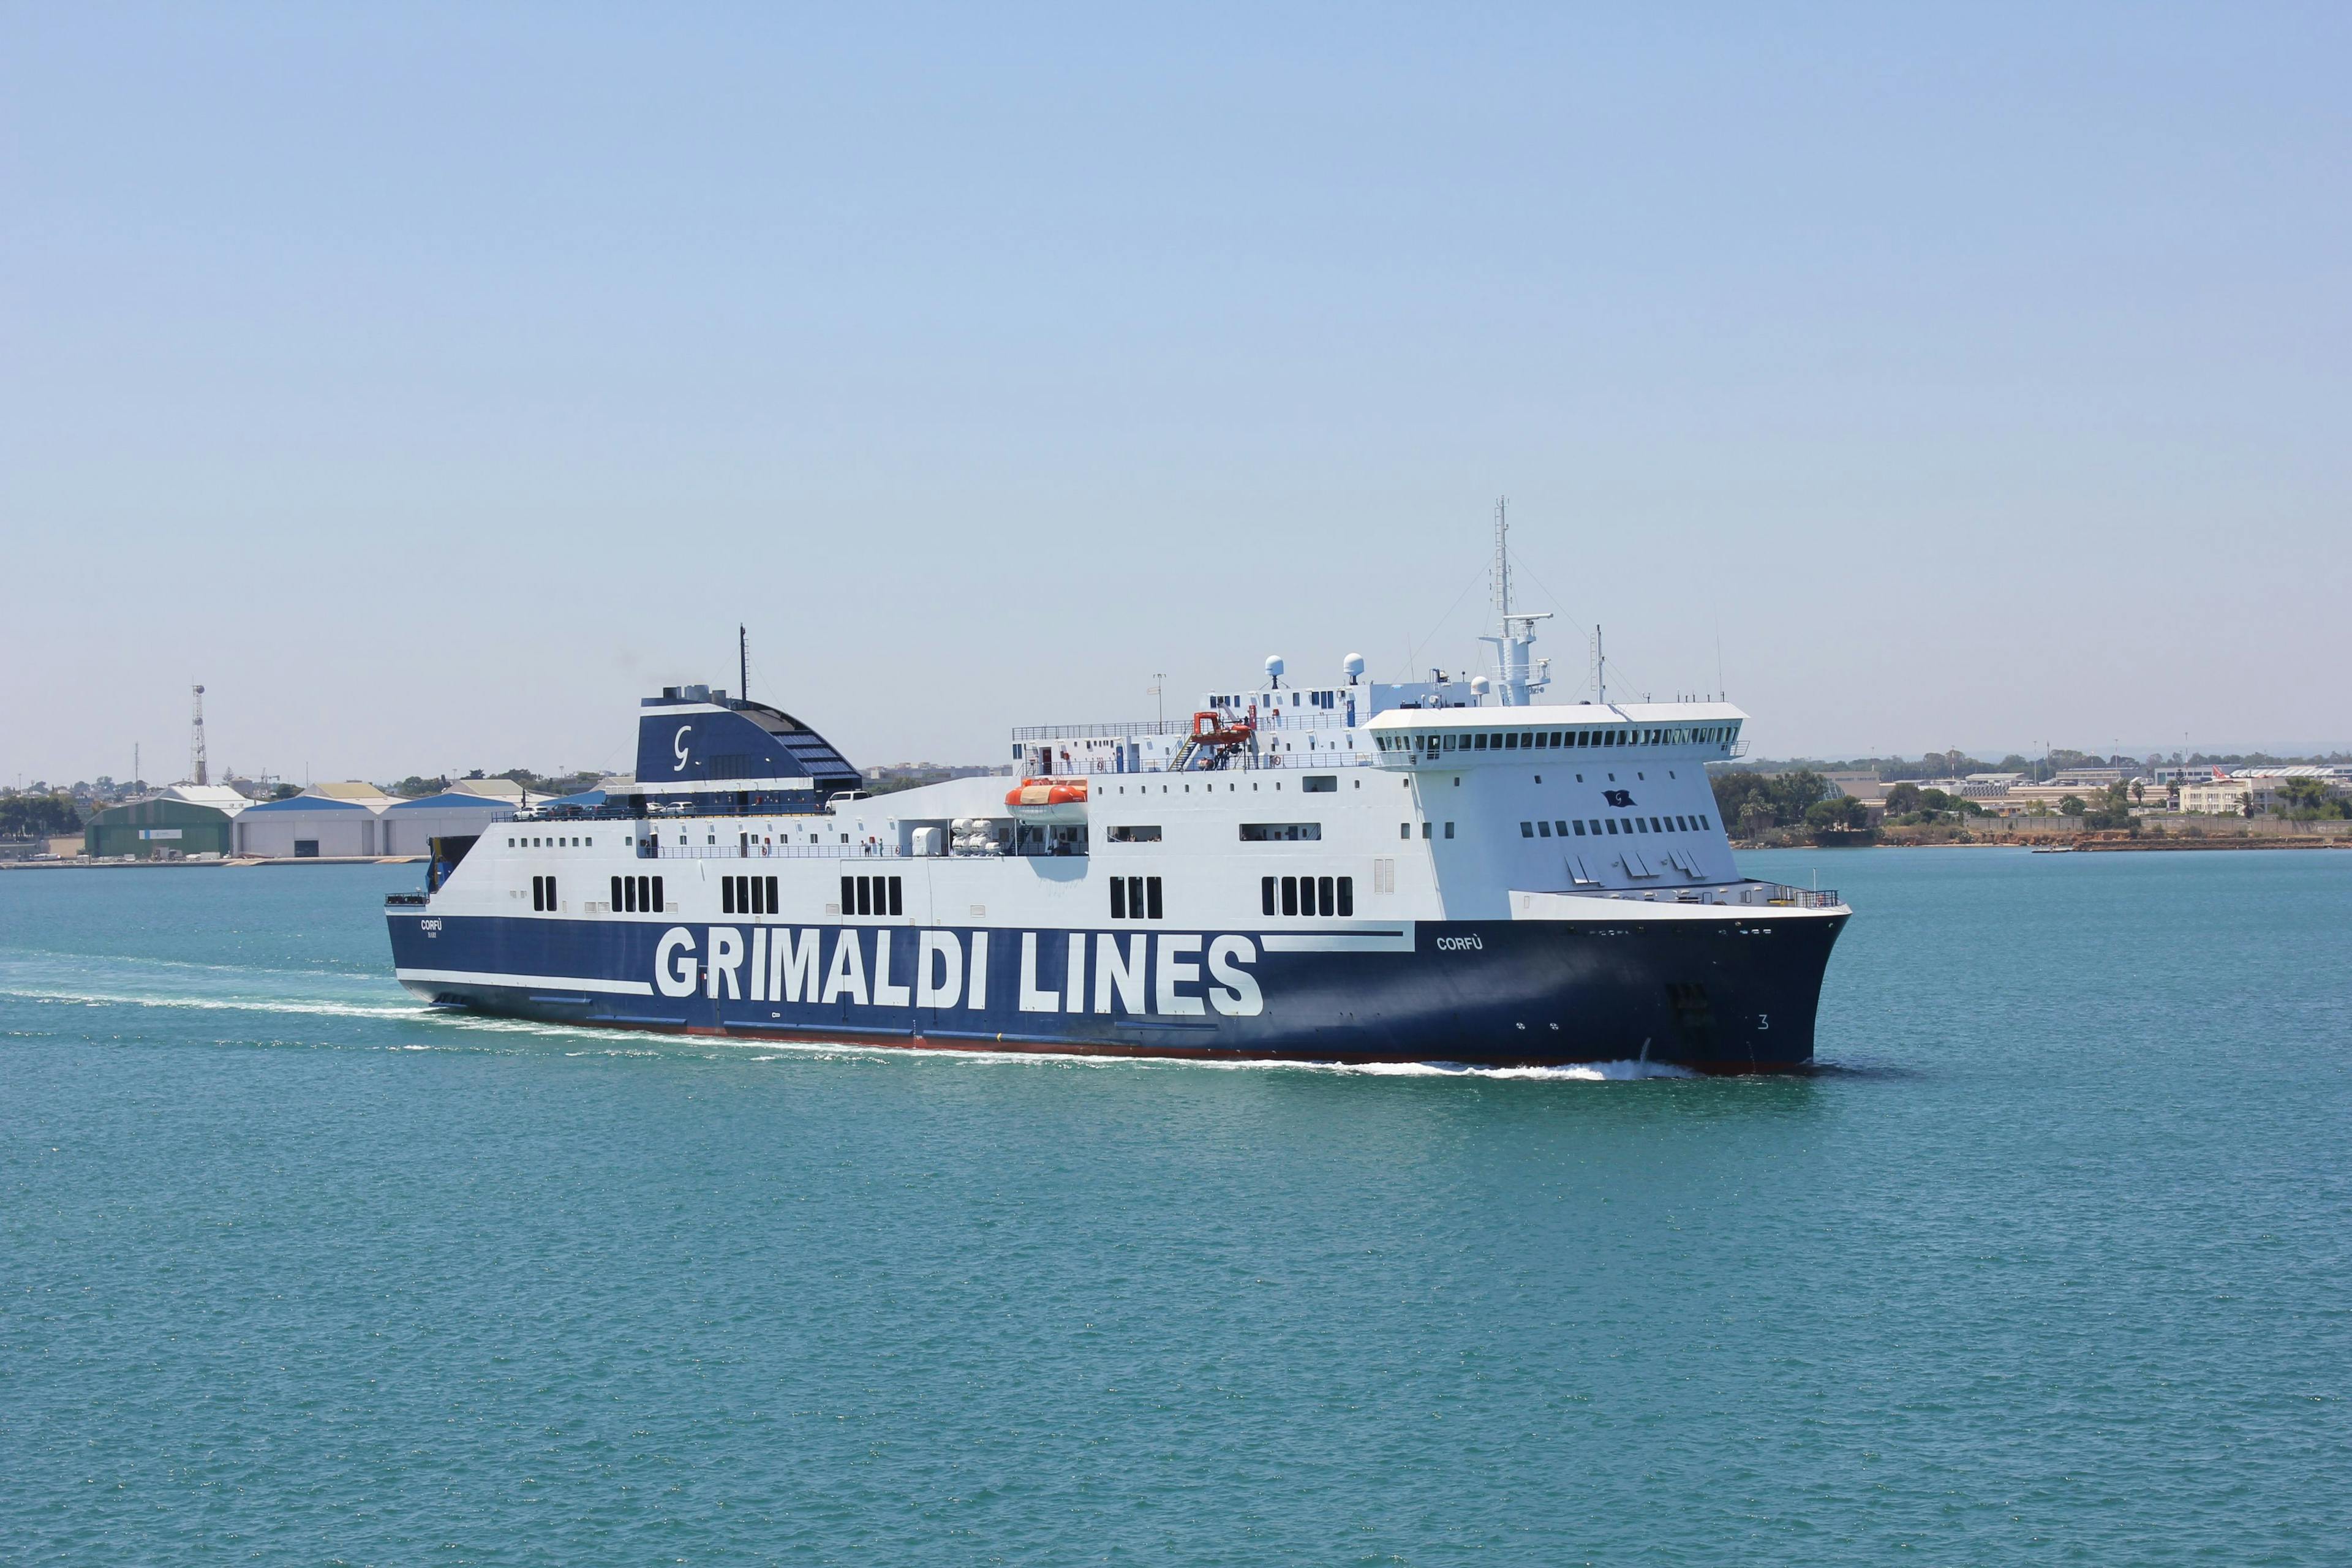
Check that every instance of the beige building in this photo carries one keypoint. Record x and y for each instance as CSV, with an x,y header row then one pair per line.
x,y
2216,797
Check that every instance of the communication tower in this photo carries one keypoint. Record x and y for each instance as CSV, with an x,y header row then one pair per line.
x,y
196,741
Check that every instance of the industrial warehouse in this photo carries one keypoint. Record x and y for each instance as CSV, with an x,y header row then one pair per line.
x,y
349,819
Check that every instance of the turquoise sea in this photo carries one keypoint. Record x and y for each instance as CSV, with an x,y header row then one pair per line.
x,y
2051,1260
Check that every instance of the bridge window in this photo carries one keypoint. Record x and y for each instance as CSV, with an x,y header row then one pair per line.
x,y
1281,832
1134,833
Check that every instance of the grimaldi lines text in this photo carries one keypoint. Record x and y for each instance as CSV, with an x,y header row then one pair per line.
x,y
1352,872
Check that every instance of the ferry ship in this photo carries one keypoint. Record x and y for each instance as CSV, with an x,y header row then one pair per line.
x,y
1448,870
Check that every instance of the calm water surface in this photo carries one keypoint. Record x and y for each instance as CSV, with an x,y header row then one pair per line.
x,y
2047,1264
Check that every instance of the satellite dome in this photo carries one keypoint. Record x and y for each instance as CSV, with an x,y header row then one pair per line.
x,y
1274,667
1479,685
1352,666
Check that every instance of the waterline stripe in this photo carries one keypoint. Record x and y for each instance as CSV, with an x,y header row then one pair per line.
x,y
532,981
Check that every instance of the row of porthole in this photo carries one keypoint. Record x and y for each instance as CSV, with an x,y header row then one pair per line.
x,y
1550,740
1633,825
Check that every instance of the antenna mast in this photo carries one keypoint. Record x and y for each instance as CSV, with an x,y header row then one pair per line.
x,y
196,740
744,661
1516,682
1502,569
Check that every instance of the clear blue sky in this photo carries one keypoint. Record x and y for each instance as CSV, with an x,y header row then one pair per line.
x,y
431,382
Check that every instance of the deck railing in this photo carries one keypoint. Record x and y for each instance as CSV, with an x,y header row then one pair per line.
x,y
1798,897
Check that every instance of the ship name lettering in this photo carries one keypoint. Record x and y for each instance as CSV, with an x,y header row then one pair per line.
x,y
1460,944
1134,974
674,962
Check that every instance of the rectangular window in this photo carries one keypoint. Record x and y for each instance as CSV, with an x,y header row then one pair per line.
x,y
1347,898
1510,743
897,896
772,896
864,895
1653,826
1291,895
726,895
538,894
1118,898
1324,901
1424,830
1281,832
1612,827
1265,894
849,895
1578,822
1133,833
614,907
1543,830
1682,824
1526,740
1404,830
1638,827
1527,830
1320,784
1449,830
660,906
1151,897
1702,823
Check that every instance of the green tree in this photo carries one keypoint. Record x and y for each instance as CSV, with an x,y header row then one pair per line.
x,y
1903,800
1831,815
34,815
2073,806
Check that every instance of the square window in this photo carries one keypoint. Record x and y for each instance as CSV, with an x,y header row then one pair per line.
x,y
1544,829
1527,830
1580,828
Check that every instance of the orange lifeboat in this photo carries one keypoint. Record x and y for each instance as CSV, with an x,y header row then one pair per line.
x,y
1048,800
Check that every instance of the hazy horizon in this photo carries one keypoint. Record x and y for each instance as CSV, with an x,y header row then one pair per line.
x,y
432,385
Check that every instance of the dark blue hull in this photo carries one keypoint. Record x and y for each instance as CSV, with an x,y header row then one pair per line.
x,y
1712,995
